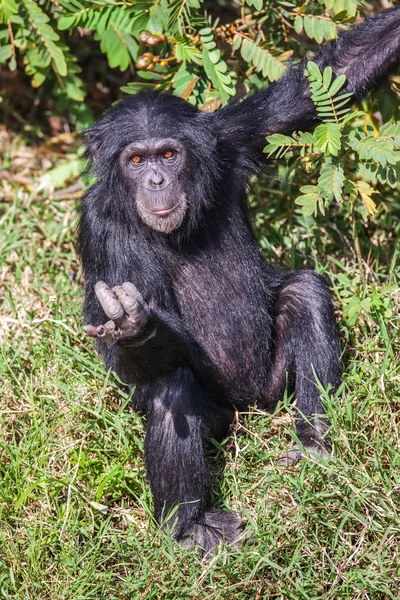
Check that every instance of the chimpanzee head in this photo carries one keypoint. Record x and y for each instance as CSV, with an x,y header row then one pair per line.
x,y
156,155
153,169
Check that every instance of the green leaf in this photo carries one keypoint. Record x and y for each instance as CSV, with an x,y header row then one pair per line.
x,y
381,150
215,68
389,175
5,53
179,8
314,70
237,42
74,90
8,8
327,77
308,26
331,180
278,143
308,200
325,179
63,173
337,84
329,29
158,18
338,183
331,109
136,86
258,4
46,35
282,143
347,7
298,24
316,27
184,50
188,85
39,77
262,60
328,138
117,53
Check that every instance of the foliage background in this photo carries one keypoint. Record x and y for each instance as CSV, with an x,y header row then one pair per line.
x,y
75,509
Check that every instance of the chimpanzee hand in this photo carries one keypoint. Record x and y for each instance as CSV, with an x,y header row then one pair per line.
x,y
129,314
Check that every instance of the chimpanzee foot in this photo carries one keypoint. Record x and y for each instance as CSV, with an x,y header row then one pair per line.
x,y
294,455
215,526
128,313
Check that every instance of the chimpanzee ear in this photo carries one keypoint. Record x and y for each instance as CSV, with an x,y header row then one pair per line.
x,y
93,144
94,147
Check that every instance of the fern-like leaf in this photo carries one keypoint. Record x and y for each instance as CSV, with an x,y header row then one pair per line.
x,y
331,180
215,67
309,199
8,8
328,138
382,150
48,50
279,144
178,8
261,59
342,8
330,107
185,51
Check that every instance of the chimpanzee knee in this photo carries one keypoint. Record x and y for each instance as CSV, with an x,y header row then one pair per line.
x,y
307,351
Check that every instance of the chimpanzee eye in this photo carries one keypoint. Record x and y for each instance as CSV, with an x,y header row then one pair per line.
x,y
136,159
169,154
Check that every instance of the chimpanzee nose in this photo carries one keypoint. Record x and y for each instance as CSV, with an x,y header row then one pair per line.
x,y
156,180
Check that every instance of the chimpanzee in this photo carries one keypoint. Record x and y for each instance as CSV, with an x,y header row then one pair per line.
x,y
178,294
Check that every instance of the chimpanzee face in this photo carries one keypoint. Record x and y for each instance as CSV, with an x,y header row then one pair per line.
x,y
153,170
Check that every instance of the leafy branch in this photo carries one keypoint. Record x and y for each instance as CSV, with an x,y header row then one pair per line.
x,y
345,154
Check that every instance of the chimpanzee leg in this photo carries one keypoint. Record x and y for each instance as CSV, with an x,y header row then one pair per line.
x,y
176,431
306,348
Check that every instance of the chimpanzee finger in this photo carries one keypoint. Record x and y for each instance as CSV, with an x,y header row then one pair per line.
x,y
108,332
90,330
110,304
133,292
130,303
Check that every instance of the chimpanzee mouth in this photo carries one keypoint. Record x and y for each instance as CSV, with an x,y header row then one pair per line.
x,y
164,219
163,212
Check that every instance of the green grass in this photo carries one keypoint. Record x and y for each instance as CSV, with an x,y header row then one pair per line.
x,y
75,507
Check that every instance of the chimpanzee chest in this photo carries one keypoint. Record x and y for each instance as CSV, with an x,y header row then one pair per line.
x,y
228,317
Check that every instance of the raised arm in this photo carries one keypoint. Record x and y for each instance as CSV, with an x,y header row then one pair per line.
x,y
366,54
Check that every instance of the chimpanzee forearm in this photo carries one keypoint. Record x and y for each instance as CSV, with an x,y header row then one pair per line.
x,y
366,55
150,357
143,343
164,347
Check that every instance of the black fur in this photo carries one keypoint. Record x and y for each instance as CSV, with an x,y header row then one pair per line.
x,y
228,329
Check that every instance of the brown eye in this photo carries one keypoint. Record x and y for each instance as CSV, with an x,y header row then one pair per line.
x,y
136,159
169,154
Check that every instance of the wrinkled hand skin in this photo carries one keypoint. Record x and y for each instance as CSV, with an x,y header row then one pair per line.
x,y
128,313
